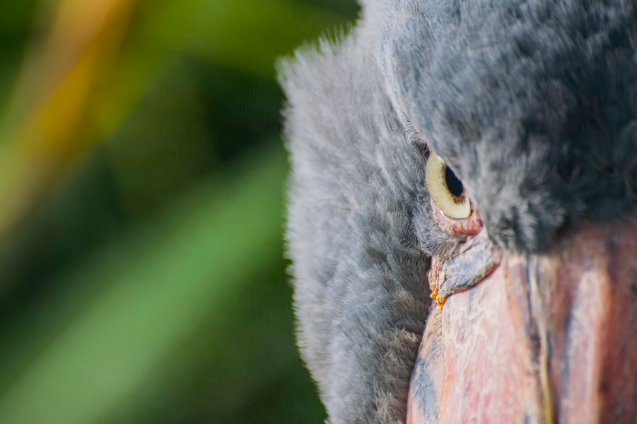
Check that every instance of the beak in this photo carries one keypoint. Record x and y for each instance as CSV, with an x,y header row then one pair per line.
x,y
546,338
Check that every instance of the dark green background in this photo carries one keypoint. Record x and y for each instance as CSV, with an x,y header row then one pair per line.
x,y
150,286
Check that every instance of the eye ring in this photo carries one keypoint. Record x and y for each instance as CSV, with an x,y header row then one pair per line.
x,y
446,189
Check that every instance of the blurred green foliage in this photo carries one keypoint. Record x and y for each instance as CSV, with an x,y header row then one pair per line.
x,y
146,282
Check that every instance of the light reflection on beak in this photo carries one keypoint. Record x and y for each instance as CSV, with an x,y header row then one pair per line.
x,y
543,339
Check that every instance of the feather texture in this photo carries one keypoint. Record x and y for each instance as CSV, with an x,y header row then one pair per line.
x,y
532,104
357,186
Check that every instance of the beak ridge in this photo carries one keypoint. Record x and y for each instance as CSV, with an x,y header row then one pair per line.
x,y
543,339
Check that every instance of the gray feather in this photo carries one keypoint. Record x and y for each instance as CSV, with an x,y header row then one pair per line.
x,y
361,289
533,104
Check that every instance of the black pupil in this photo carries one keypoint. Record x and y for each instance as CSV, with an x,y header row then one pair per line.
x,y
453,183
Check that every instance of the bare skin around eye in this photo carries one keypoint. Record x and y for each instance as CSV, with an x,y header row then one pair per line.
x,y
457,227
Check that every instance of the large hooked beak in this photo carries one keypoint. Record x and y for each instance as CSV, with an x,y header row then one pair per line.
x,y
548,338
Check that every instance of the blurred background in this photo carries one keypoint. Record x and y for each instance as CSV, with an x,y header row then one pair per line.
x,y
142,185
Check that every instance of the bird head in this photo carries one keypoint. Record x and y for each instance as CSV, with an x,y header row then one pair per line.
x,y
484,154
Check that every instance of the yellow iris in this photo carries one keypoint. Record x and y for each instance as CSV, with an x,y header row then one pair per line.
x,y
446,189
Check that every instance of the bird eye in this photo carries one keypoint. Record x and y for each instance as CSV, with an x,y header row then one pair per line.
x,y
446,189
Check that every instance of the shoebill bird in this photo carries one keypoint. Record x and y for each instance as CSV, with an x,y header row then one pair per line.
x,y
462,217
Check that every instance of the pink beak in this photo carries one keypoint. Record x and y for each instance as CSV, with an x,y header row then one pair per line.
x,y
543,339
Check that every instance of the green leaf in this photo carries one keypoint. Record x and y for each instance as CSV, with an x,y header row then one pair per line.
x,y
158,287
